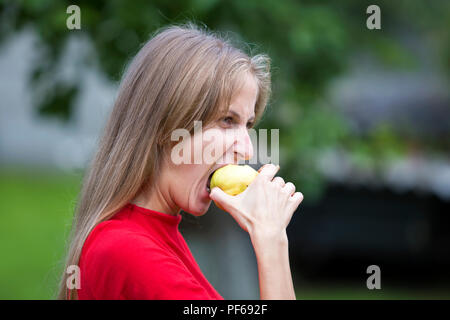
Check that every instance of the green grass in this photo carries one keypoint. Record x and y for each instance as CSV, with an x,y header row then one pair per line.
x,y
35,216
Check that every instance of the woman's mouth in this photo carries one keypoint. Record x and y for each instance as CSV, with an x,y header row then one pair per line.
x,y
208,183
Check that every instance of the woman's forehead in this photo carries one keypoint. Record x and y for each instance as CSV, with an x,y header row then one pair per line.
x,y
243,102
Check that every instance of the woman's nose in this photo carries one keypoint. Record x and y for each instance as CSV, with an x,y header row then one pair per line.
x,y
243,144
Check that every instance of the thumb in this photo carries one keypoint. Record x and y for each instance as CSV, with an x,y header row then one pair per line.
x,y
224,202
219,197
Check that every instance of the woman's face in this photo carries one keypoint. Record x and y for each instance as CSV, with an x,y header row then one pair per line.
x,y
224,141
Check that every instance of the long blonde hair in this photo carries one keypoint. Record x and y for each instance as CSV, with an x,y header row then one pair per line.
x,y
182,74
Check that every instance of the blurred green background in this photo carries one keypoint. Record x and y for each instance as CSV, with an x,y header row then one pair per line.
x,y
357,109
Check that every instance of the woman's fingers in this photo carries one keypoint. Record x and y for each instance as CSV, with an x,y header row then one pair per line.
x,y
296,199
279,181
289,188
268,202
268,171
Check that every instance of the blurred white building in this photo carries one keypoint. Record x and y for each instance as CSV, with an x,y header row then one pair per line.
x,y
26,137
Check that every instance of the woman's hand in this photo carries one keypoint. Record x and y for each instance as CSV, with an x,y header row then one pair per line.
x,y
265,208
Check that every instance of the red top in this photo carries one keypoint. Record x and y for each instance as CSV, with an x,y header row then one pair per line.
x,y
141,254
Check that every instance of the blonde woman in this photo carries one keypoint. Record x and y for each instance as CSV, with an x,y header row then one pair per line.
x,y
125,236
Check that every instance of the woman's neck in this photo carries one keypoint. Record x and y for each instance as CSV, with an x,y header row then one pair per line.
x,y
157,200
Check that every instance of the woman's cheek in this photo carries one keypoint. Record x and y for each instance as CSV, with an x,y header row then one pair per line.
x,y
213,145
229,140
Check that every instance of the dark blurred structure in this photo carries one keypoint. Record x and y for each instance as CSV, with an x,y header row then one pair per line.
x,y
406,235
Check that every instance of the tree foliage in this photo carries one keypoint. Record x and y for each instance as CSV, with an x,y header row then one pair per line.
x,y
309,42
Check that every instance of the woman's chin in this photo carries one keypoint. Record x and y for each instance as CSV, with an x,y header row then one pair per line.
x,y
202,205
198,212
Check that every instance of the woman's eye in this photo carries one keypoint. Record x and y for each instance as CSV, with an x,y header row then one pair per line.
x,y
228,120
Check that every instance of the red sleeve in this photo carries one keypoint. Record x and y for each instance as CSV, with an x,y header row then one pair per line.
x,y
127,265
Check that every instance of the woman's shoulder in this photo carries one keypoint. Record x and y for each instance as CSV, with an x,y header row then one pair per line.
x,y
115,253
117,239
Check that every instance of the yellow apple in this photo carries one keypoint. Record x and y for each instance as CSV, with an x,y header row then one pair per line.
x,y
233,179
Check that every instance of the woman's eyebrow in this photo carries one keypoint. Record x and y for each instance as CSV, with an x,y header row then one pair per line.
x,y
239,117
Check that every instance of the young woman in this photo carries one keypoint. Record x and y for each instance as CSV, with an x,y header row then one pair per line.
x,y
125,236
